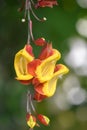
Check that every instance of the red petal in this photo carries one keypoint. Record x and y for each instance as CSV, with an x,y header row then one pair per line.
x,y
46,51
25,82
39,88
48,3
28,116
35,82
32,66
42,119
40,41
57,67
38,97
29,49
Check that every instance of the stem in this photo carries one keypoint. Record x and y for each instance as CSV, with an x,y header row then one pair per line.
x,y
28,9
28,41
33,108
30,26
28,103
32,2
41,20
30,34
31,129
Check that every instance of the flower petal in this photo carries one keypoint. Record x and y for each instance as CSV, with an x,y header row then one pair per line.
x,y
31,120
60,69
28,49
38,97
26,82
46,51
22,58
45,70
48,88
43,119
32,66
46,3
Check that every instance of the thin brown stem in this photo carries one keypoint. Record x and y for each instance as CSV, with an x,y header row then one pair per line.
x,y
28,103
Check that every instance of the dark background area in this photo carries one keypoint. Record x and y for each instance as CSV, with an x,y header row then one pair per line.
x,y
66,28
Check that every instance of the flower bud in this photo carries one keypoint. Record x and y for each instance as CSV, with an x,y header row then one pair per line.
x,y
40,41
43,119
31,120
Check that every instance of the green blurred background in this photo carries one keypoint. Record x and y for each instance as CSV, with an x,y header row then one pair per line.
x,y
66,27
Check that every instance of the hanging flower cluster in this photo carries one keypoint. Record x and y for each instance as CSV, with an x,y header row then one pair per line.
x,y
41,73
35,118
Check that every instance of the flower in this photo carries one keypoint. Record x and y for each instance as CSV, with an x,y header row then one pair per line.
x,y
43,119
40,41
22,58
38,97
42,69
48,88
31,120
43,72
46,3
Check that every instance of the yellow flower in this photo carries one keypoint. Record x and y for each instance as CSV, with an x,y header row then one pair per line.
x,y
45,70
43,67
48,88
22,58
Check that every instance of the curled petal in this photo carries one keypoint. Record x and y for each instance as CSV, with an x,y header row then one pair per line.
x,y
43,119
25,82
35,81
60,69
46,51
45,70
22,58
38,97
32,66
31,120
48,88
28,49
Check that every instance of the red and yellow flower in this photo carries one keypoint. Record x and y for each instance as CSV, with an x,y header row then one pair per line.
x,y
22,58
43,119
43,72
48,88
31,120
43,68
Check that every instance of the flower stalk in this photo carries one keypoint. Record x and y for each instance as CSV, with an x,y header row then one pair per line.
x,y
42,72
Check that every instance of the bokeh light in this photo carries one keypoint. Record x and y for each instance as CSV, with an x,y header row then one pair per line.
x,y
82,3
81,26
76,58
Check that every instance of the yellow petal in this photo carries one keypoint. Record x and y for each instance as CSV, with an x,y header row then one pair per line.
x,y
45,70
31,122
60,70
47,120
22,58
49,87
